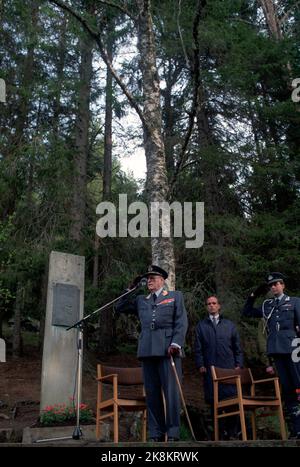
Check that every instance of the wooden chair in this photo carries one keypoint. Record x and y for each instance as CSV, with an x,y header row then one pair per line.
x,y
237,405
118,378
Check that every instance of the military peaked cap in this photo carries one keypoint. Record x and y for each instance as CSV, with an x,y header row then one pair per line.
x,y
275,277
154,270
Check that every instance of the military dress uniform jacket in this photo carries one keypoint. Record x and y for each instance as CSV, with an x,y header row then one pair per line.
x,y
281,321
162,322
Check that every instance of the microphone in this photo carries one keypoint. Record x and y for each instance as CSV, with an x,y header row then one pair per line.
x,y
138,281
143,282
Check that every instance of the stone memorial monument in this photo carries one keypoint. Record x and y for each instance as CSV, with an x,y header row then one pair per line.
x,y
2,351
65,298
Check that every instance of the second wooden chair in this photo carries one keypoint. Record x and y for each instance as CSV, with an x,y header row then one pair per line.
x,y
111,406
237,405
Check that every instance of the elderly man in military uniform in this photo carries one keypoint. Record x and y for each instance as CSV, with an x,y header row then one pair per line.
x,y
281,315
163,319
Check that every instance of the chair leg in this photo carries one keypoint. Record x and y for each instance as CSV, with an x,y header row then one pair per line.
x,y
98,411
253,424
243,424
116,424
98,426
282,423
98,434
216,424
144,426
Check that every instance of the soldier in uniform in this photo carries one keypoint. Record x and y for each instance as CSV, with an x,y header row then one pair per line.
x,y
163,319
282,323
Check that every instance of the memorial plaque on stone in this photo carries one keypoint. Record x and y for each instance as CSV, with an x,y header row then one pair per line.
x,y
66,305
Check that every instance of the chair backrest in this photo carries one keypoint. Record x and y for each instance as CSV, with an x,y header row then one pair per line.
x,y
245,374
126,376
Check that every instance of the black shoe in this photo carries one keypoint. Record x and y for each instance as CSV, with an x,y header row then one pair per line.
x,y
157,439
172,439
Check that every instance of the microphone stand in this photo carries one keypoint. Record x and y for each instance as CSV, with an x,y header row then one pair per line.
x,y
77,433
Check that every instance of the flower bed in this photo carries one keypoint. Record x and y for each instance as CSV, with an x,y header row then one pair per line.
x,y
62,414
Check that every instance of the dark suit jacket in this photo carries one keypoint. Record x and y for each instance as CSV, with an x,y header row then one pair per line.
x,y
220,347
162,323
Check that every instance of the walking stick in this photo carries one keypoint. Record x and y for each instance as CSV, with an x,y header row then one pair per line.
x,y
182,397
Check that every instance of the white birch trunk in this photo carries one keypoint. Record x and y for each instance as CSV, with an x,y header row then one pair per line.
x,y
157,182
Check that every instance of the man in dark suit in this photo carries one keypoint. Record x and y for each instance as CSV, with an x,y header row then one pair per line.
x,y
217,343
282,323
163,319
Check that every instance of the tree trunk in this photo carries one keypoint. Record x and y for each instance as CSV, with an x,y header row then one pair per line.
x,y
270,13
169,114
23,106
17,337
273,24
213,201
106,320
157,183
107,169
108,117
43,305
78,208
27,81
60,65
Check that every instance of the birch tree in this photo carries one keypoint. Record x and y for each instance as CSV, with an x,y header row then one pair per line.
x,y
149,113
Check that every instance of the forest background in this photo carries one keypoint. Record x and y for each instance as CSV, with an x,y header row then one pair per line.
x,y
225,131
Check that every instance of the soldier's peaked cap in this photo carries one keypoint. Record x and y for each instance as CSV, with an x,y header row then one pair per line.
x,y
275,277
154,270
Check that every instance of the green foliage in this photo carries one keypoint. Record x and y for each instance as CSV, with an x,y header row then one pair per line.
x,y
127,348
185,434
268,425
242,159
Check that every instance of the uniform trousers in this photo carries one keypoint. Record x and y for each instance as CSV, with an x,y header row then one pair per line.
x,y
159,377
289,376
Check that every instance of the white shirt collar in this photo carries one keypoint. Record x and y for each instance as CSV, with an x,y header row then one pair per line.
x,y
158,292
280,296
216,317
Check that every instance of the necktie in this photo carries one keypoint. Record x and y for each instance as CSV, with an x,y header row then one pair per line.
x,y
154,297
215,322
277,302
